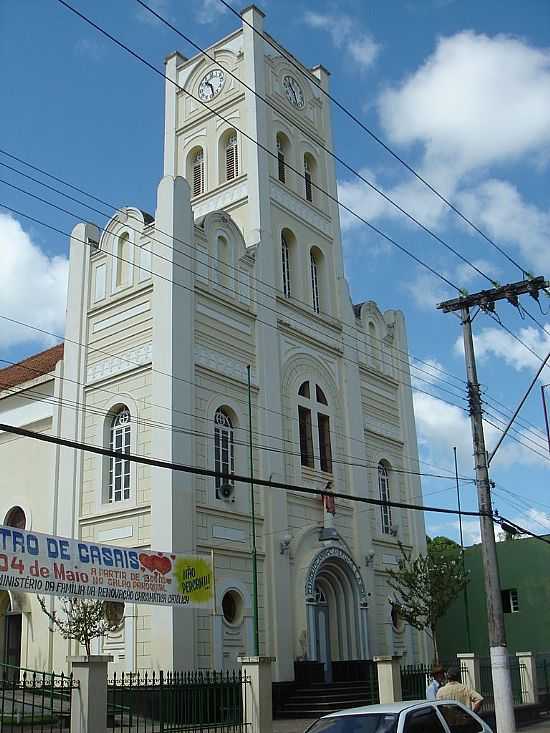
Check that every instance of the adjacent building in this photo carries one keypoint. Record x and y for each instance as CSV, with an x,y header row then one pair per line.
x,y
525,589
240,266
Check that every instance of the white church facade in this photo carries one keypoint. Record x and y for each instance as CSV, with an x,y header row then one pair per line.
x,y
241,266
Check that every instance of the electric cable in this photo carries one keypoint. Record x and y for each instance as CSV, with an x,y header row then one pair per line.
x,y
306,73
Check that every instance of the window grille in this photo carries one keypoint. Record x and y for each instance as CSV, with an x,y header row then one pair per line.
x,y
231,158
286,266
119,467
224,447
384,489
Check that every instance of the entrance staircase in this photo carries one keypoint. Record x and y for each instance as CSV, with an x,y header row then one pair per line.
x,y
320,698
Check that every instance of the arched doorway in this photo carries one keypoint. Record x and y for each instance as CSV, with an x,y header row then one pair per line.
x,y
336,607
10,632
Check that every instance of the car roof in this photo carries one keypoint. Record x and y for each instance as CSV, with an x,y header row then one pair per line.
x,y
389,708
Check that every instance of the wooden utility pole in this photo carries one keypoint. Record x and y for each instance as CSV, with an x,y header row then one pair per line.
x,y
502,685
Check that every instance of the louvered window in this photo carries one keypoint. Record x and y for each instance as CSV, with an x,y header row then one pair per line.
x,y
231,158
314,283
286,266
307,179
281,161
198,173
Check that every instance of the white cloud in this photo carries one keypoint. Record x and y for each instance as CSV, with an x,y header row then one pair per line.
x,y
209,11
429,371
162,7
495,342
506,216
441,426
90,48
476,101
33,286
345,33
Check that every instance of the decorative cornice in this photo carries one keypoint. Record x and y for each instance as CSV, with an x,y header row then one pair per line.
x,y
114,365
300,208
221,363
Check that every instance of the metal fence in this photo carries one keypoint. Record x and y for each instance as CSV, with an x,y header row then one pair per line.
x,y
40,701
170,702
543,678
415,678
518,674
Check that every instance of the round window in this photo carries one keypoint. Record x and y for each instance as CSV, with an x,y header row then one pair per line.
x,y
16,518
113,612
232,607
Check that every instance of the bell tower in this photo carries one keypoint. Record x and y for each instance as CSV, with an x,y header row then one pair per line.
x,y
249,128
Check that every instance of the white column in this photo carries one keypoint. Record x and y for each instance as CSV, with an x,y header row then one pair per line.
x,y
172,502
469,666
89,700
389,679
528,675
257,693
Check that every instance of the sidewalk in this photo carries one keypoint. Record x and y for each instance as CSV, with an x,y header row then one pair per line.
x,y
299,726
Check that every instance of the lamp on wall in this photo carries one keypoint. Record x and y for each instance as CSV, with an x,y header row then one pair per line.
x,y
284,543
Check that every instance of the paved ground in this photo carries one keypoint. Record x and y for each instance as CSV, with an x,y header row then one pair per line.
x,y
299,726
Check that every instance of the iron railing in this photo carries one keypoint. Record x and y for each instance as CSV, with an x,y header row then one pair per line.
x,y
31,700
415,678
161,702
543,678
518,674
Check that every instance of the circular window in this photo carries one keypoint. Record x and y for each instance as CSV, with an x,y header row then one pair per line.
x,y
113,612
232,607
16,518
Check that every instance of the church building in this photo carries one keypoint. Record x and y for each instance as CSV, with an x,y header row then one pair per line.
x,y
239,271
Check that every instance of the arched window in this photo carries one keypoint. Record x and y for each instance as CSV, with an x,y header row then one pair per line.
x,y
283,147
16,518
119,467
384,491
314,270
123,260
285,261
224,448
197,171
311,411
231,156
309,172
223,264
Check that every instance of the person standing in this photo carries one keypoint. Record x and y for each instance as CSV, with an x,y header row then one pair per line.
x,y
455,690
438,679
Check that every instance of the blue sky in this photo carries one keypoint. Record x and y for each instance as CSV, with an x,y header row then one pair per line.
x,y
460,89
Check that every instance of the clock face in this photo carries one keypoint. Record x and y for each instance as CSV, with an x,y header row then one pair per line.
x,y
293,91
211,85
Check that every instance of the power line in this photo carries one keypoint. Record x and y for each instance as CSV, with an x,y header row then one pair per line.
x,y
195,470
355,339
325,148
379,140
259,144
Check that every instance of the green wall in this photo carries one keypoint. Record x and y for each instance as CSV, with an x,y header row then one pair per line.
x,y
524,564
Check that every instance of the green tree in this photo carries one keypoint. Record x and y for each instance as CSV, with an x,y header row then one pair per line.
x,y
83,619
426,585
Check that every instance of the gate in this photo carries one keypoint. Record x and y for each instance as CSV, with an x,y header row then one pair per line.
x,y
40,701
177,701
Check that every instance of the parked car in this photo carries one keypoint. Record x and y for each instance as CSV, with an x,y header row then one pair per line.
x,y
416,716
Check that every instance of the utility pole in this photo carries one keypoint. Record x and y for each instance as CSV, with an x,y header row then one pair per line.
x,y
485,300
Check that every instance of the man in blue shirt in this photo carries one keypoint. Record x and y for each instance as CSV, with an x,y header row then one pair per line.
x,y
438,679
